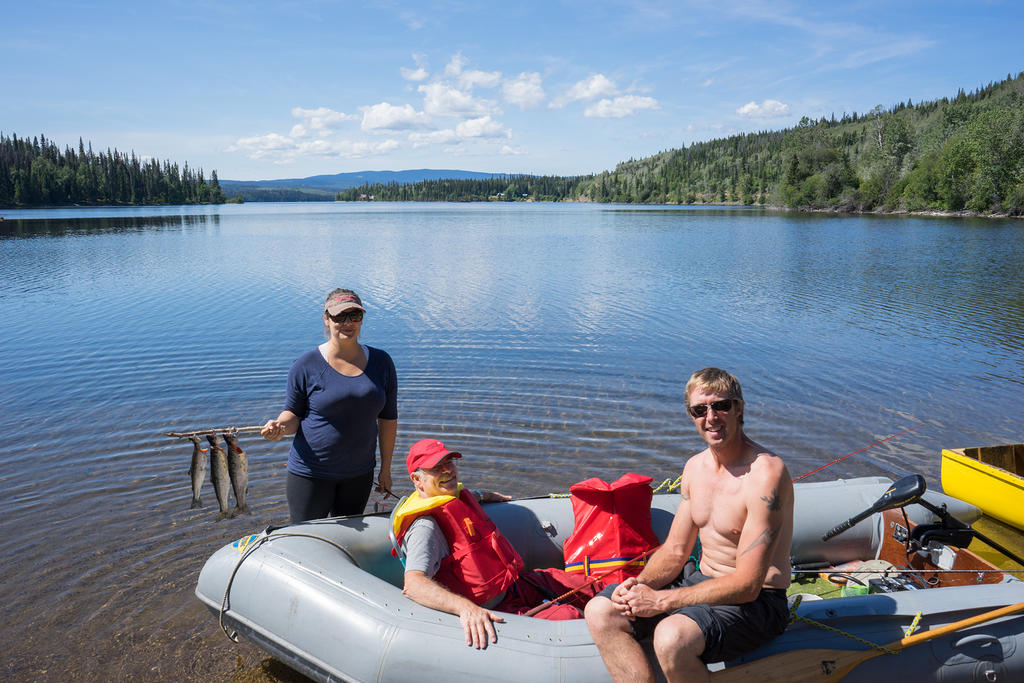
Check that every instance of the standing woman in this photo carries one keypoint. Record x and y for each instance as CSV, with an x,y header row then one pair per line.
x,y
342,399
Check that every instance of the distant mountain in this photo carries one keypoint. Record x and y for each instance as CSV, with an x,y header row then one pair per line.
x,y
323,187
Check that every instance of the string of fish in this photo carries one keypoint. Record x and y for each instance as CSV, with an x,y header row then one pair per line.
x,y
229,470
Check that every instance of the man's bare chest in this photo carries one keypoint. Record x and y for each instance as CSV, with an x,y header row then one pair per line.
x,y
721,511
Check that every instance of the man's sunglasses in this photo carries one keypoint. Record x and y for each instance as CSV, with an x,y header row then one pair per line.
x,y
354,316
723,406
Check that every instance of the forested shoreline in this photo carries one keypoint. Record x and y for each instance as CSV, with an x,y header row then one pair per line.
x,y
959,154
37,173
964,153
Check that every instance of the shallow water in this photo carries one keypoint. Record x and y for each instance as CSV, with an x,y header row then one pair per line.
x,y
548,342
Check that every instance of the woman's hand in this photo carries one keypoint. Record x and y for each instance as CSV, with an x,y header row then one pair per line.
x,y
384,481
273,430
286,423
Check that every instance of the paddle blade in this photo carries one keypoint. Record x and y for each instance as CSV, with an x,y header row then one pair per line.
x,y
796,666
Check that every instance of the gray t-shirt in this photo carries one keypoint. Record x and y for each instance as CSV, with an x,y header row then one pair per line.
x,y
425,546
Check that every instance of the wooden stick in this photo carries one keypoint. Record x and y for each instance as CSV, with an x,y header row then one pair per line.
x,y
217,430
594,580
828,666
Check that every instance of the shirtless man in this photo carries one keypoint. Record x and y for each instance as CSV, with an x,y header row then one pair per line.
x,y
737,498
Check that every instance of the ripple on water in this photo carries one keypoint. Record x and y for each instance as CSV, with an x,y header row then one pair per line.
x,y
548,343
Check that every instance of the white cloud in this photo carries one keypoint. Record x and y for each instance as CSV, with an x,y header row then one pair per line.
x,y
441,99
286,150
620,107
766,110
412,19
416,75
437,137
485,79
320,121
591,88
263,146
898,47
455,65
509,150
524,90
385,117
346,149
467,80
483,127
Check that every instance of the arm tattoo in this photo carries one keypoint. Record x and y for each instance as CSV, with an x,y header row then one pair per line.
x,y
774,503
683,491
766,537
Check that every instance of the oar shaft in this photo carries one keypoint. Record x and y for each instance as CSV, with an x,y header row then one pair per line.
x,y
957,625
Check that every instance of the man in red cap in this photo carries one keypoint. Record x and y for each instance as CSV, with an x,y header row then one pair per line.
x,y
458,562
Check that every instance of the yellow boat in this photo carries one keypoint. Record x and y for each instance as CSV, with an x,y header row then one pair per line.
x,y
990,477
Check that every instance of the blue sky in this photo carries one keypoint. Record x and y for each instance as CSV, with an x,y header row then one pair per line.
x,y
289,89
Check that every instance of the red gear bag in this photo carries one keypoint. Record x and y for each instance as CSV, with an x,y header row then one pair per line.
x,y
612,527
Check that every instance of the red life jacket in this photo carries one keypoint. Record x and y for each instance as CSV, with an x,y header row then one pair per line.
x,y
482,562
612,527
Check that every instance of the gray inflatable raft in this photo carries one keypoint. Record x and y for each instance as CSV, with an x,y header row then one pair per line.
x,y
325,598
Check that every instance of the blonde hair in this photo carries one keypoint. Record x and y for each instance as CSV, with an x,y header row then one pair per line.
x,y
718,381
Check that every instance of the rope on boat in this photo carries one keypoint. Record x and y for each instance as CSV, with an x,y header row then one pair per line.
x,y
250,547
669,485
793,616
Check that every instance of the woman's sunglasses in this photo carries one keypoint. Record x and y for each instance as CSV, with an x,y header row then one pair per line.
x,y
723,406
354,316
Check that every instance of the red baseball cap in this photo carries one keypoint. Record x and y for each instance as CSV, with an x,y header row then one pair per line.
x,y
427,453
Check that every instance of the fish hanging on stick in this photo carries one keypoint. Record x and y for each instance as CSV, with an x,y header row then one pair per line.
x,y
238,468
197,471
219,474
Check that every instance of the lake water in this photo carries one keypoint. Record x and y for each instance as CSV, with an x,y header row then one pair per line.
x,y
548,342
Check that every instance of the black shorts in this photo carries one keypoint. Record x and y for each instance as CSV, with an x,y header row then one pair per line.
x,y
729,630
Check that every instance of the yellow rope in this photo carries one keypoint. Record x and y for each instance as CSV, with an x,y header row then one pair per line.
x,y
669,485
793,616
914,624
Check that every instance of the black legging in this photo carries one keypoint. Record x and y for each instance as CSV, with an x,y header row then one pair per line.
x,y
319,498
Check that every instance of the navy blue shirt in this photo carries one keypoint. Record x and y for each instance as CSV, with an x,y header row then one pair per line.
x,y
337,436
